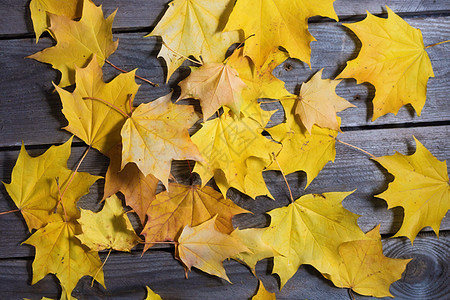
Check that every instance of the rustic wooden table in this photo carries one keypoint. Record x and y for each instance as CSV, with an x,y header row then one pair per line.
x,y
30,111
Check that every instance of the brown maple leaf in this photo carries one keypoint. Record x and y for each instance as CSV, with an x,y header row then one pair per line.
x,y
185,205
139,190
214,84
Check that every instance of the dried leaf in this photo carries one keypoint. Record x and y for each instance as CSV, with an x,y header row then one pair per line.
x,y
318,103
97,123
91,35
157,133
394,60
205,248
365,269
110,228
139,190
193,27
34,186
214,84
59,252
277,23
185,205
40,9
309,231
421,186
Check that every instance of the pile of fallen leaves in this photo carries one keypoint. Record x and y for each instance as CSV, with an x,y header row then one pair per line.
x,y
230,147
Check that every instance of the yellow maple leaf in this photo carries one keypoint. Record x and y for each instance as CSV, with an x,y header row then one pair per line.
x,y
110,228
193,27
39,9
95,122
263,294
252,239
151,295
59,252
226,143
205,248
253,183
277,23
421,187
309,231
91,35
394,60
302,151
261,83
185,205
365,269
157,133
34,185
139,190
214,84
318,103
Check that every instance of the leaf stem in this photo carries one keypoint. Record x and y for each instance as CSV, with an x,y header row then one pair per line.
x,y
443,42
109,104
60,200
137,76
101,267
351,294
285,180
9,211
183,56
70,181
357,148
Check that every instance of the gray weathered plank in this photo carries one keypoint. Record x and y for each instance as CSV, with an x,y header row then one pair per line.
x,y
33,113
351,170
16,19
127,274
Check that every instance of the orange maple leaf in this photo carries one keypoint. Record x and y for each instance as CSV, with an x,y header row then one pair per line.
x,y
185,205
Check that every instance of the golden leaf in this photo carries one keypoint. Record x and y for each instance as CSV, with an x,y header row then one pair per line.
x,y
261,83
185,205
252,239
302,151
39,10
318,103
394,60
214,84
421,187
365,269
277,23
139,190
157,133
110,228
91,35
309,231
34,186
59,252
205,248
96,123
226,143
151,295
193,27
263,294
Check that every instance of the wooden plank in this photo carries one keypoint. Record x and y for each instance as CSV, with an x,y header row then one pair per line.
x,y
127,274
351,170
31,111
15,14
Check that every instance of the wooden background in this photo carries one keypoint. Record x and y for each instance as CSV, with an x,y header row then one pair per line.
x,y
30,111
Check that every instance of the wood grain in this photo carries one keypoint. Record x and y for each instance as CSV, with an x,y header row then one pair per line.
x,y
16,19
127,274
30,113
